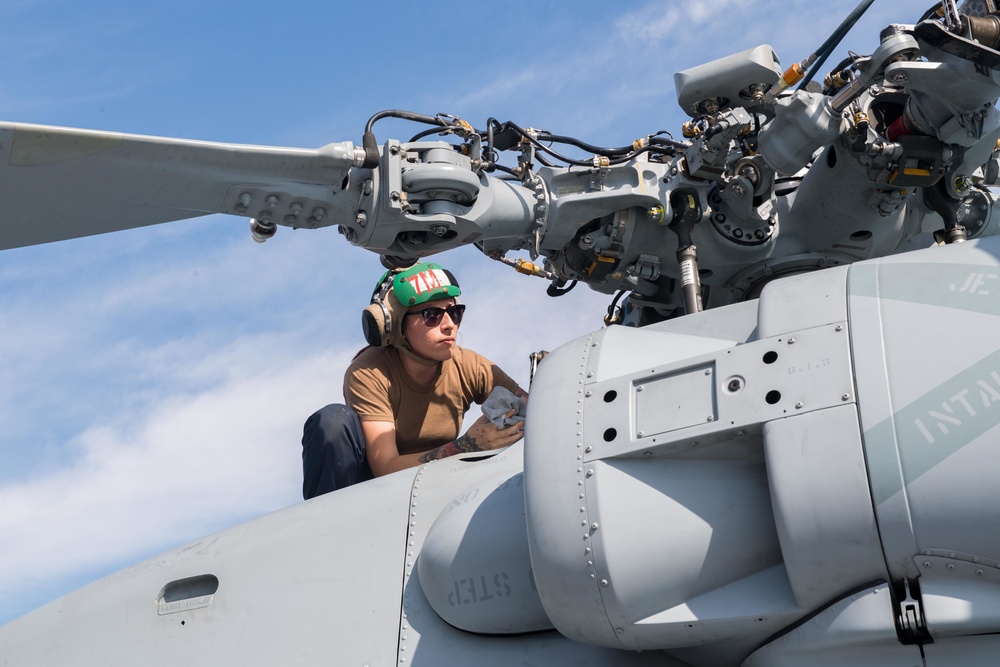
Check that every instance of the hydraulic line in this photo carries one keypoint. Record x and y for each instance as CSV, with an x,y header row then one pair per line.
x,y
827,47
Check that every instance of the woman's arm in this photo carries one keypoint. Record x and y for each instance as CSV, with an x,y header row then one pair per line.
x,y
384,457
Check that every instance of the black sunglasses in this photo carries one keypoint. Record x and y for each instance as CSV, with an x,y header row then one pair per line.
x,y
433,316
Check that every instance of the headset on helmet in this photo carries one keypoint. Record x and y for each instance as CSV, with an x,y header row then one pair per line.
x,y
398,290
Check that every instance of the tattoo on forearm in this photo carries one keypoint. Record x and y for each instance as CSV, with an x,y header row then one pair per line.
x,y
460,445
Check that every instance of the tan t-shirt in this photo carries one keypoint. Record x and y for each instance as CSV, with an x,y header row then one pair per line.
x,y
378,388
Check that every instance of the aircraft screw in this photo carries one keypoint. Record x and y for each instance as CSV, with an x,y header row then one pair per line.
x,y
791,341
362,219
845,397
272,201
604,582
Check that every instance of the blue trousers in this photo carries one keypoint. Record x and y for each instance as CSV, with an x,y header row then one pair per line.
x,y
333,451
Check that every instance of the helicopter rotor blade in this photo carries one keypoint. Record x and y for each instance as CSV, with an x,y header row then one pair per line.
x,y
61,183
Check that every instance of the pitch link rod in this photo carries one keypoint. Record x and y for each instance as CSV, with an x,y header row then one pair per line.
x,y
687,213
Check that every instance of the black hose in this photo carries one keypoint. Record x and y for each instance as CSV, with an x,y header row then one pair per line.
x,y
369,143
597,150
827,47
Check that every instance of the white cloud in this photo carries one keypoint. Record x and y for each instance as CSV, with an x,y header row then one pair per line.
x,y
186,465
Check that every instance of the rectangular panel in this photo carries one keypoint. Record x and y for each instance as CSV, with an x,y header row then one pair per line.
x,y
673,401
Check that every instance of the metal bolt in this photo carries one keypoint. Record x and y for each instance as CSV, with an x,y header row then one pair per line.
x,y
296,207
588,448
927,563
845,397
593,526
839,328
367,187
791,341
639,388
798,405
648,455
272,201
362,219
951,567
641,433
710,418
604,582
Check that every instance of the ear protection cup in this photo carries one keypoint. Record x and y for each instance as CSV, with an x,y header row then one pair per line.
x,y
376,324
376,321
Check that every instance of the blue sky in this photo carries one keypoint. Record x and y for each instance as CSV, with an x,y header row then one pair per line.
x,y
155,380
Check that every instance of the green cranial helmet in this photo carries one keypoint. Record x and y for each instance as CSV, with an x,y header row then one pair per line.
x,y
422,283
